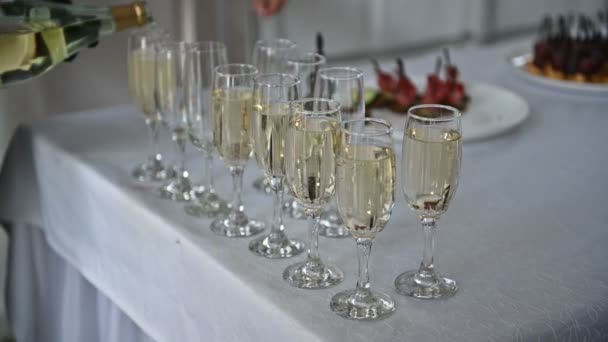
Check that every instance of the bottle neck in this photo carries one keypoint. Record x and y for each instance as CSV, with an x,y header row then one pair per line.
x,y
131,15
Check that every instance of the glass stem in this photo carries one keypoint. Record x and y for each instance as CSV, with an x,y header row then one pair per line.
x,y
237,187
313,247
180,144
208,174
153,131
364,248
427,267
277,234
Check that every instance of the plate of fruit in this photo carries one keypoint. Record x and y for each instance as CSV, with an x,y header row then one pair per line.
x,y
570,53
487,110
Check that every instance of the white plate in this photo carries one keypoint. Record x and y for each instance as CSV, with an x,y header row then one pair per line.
x,y
491,111
518,60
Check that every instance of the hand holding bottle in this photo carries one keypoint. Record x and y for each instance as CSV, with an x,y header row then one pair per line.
x,y
35,36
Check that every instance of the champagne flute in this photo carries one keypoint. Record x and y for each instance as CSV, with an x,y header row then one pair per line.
x,y
305,66
232,101
365,195
162,36
268,123
270,56
141,59
345,85
172,66
310,168
432,148
205,56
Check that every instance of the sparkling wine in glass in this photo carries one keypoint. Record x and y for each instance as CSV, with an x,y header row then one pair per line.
x,y
345,85
303,65
270,56
141,64
365,198
310,168
269,120
172,68
432,148
204,57
233,101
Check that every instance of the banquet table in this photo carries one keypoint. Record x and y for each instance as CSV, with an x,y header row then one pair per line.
x,y
525,237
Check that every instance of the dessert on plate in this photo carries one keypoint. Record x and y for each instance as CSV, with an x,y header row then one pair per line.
x,y
572,49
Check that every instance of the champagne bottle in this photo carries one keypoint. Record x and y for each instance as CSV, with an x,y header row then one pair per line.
x,y
35,36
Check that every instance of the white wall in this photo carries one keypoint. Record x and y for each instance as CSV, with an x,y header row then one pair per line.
x,y
360,27
515,14
353,27
356,27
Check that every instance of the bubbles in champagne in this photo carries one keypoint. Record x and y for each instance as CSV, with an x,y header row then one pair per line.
x,y
310,160
268,132
431,165
232,108
365,188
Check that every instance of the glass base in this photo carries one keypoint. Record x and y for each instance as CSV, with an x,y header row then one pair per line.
x,y
362,305
285,249
223,227
206,204
262,184
417,285
152,170
179,189
292,209
198,191
332,225
312,275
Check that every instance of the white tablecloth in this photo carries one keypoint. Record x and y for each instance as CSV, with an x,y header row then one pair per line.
x,y
51,301
525,236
